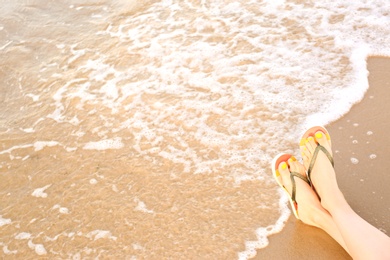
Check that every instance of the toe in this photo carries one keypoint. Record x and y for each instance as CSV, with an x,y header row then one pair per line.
x,y
311,144
292,162
285,175
283,167
297,167
323,139
306,160
305,153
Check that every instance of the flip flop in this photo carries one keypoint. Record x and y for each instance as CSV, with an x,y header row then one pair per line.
x,y
311,132
283,157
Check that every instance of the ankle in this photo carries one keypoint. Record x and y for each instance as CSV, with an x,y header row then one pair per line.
x,y
318,217
334,201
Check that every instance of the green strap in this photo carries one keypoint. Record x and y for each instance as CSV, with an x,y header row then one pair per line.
x,y
292,175
314,158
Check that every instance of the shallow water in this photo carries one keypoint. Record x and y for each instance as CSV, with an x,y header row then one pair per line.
x,y
146,130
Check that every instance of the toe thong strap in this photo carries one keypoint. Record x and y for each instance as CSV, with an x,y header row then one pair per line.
x,y
314,158
300,176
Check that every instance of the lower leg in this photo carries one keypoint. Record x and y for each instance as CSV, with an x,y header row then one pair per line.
x,y
363,240
309,207
326,223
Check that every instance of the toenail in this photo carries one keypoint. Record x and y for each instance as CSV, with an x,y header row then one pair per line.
x,y
284,165
302,142
293,158
310,138
319,135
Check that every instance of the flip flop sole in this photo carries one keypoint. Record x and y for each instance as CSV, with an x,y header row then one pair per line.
x,y
311,132
282,157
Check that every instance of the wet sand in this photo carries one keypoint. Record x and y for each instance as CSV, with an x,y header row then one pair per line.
x,y
361,135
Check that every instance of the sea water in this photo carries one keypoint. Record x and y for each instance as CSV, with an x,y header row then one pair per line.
x,y
145,129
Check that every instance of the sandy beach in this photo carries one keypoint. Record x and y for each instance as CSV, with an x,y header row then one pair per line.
x,y
360,149
145,129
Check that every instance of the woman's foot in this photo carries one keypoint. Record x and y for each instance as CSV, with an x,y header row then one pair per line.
x,y
322,174
308,206
359,238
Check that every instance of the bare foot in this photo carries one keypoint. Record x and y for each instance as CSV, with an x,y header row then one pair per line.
x,y
322,175
308,206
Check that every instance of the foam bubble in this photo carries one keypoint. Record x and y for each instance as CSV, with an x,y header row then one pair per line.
x,y
39,192
62,210
9,252
137,246
354,160
38,248
141,206
39,145
93,181
115,143
28,130
4,221
35,98
23,235
99,234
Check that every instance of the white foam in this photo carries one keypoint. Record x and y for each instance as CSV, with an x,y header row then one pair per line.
x,y
53,238
137,246
93,181
5,45
38,248
40,192
316,89
35,98
39,145
62,210
9,252
70,149
141,206
354,160
23,235
115,143
9,150
114,188
4,221
99,234
28,130
264,232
